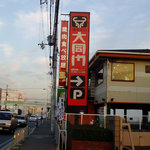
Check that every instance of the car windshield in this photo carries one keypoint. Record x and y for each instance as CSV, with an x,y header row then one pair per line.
x,y
33,116
21,117
5,116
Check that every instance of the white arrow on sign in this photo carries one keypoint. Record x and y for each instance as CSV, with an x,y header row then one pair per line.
x,y
78,81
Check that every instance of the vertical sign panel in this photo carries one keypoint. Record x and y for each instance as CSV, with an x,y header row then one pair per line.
x,y
78,59
63,53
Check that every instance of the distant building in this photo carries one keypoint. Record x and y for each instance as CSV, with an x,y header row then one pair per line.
x,y
11,98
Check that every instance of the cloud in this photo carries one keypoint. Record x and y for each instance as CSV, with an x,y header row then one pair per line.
x,y
95,18
144,45
6,77
1,5
98,37
15,66
41,62
30,22
7,49
1,23
17,1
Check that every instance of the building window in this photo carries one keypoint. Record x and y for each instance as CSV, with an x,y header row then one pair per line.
x,y
147,69
122,71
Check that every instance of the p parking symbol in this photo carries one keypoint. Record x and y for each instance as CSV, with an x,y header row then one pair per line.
x,y
77,93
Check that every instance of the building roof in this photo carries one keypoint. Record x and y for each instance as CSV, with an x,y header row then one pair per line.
x,y
143,54
130,50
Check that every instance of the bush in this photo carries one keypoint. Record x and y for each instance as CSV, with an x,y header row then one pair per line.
x,y
89,133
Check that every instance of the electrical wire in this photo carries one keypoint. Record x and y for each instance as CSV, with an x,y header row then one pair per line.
x,y
42,24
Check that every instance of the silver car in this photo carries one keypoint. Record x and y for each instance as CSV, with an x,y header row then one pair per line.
x,y
8,121
22,122
33,118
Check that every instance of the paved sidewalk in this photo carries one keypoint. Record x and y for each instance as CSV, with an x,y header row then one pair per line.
x,y
40,139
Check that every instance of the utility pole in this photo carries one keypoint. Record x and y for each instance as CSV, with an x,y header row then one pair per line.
x,y
52,41
55,50
6,97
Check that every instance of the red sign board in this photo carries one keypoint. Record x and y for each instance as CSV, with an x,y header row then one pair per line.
x,y
78,59
63,53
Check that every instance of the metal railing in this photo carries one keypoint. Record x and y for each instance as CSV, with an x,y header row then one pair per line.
x,y
61,136
80,119
141,123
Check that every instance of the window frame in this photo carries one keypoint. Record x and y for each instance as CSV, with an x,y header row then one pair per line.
x,y
123,63
147,68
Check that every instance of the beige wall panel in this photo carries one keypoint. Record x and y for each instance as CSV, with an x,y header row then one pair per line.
x,y
139,138
137,91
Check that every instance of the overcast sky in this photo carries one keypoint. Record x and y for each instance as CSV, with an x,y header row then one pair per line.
x,y
114,24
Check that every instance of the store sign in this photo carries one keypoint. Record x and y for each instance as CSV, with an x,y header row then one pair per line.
x,y
63,53
78,59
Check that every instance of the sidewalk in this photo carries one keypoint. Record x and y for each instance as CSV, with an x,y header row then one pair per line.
x,y
40,139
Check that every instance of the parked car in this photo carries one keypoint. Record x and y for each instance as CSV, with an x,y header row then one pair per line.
x,y
8,121
33,118
22,122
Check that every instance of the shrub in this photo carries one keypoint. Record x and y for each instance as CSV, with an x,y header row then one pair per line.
x,y
89,133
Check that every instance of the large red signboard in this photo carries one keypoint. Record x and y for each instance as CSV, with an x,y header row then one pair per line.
x,y
78,59
63,53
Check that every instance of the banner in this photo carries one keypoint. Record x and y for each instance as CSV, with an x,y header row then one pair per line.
x,y
78,58
60,108
63,53
61,94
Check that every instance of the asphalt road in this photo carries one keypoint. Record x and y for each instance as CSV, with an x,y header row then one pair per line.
x,y
5,136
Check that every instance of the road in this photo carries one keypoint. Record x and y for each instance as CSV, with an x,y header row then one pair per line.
x,y
5,136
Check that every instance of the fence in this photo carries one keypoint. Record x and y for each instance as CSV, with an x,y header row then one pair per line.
x,y
137,123
141,123
75,119
80,119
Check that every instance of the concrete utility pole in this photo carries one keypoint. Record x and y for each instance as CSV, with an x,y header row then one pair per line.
x,y
55,50
6,97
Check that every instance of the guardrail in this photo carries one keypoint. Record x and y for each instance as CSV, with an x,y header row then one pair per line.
x,y
19,137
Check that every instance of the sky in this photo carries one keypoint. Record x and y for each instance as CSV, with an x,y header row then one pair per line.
x,y
114,24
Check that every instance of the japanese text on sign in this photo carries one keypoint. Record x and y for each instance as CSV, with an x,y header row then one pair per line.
x,y
63,53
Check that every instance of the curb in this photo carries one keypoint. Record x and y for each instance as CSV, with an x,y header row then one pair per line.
x,y
6,144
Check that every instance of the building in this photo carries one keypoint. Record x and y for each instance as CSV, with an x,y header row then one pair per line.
x,y
120,79
11,98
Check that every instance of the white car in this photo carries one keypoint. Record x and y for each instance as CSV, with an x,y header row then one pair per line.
x,y
8,121
33,118
22,122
